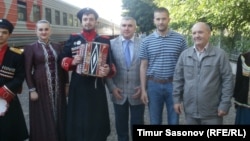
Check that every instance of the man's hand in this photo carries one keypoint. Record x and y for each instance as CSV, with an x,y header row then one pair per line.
x,y
137,92
104,70
177,108
77,60
221,113
144,97
117,93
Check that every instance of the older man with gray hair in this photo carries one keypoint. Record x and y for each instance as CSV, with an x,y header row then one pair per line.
x,y
203,80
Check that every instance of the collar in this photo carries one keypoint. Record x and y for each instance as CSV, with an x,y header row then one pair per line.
x,y
131,39
169,32
89,35
44,43
4,47
2,52
203,50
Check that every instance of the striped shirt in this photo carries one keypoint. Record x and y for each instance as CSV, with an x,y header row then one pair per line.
x,y
162,53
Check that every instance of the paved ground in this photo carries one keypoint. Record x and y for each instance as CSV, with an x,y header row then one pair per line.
x,y
229,119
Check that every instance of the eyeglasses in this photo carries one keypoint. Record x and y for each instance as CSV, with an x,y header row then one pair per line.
x,y
43,29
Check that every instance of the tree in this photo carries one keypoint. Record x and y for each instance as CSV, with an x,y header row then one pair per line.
x,y
228,16
142,11
230,19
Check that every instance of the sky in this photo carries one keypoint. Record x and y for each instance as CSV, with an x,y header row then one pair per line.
x,y
107,9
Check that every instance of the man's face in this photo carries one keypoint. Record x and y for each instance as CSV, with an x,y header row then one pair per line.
x,y
127,28
161,20
200,35
4,36
88,21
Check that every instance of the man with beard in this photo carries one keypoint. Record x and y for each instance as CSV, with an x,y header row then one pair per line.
x,y
87,111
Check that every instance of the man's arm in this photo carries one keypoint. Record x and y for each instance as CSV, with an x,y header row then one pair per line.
x,y
227,84
143,79
178,85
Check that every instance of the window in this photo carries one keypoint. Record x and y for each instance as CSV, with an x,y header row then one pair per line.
x,y
21,8
70,20
48,14
36,13
76,22
65,17
57,17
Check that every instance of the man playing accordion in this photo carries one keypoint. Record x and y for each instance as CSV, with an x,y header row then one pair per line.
x,y
87,113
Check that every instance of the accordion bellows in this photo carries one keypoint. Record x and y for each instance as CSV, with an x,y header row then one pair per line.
x,y
94,56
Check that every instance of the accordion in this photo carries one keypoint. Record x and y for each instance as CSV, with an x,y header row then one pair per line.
x,y
94,56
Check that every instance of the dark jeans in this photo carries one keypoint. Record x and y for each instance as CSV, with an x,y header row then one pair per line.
x,y
122,118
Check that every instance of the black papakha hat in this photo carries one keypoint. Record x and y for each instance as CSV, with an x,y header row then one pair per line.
x,y
4,23
86,11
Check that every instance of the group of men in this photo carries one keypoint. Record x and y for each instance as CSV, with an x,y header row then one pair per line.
x,y
157,70
164,71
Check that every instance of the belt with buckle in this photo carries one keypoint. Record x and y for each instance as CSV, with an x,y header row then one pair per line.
x,y
162,81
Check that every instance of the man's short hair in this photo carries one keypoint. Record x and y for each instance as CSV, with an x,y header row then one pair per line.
x,y
162,9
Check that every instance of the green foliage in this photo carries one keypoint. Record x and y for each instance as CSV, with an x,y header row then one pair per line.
x,y
142,11
230,15
230,19
243,45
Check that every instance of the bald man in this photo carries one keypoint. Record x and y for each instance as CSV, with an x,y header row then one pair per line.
x,y
203,80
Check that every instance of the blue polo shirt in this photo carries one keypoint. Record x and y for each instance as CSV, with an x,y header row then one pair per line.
x,y
162,53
